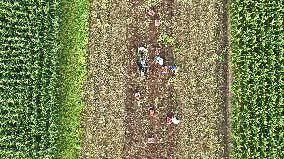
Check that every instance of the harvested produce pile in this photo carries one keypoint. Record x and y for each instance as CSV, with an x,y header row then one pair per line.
x,y
258,60
29,79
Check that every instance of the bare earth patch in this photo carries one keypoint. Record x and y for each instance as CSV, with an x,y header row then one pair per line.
x,y
116,125
202,82
103,118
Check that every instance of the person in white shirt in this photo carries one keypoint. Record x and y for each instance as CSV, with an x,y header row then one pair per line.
x,y
137,95
171,118
175,120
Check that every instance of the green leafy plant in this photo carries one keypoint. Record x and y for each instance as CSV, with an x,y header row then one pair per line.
x,y
166,39
221,58
73,37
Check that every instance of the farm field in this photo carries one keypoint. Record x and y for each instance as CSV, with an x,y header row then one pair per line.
x,y
73,38
29,65
69,73
201,31
117,126
105,88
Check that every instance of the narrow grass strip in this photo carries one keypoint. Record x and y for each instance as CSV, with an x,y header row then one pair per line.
x,y
73,40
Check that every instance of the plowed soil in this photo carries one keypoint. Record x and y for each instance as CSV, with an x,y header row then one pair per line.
x,y
154,90
116,124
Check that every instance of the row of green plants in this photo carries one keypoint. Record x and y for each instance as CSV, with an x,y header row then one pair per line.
x,y
73,38
258,62
42,69
29,71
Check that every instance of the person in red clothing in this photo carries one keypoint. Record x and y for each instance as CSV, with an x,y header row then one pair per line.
x,y
158,51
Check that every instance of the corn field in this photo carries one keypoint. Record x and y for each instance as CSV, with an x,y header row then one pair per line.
x,y
257,61
29,79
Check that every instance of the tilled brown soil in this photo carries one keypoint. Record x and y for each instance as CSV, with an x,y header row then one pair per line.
x,y
116,125
154,90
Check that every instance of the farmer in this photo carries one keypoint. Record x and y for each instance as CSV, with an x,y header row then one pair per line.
x,y
152,112
172,119
175,120
159,60
158,51
142,65
137,94
142,48
173,69
142,53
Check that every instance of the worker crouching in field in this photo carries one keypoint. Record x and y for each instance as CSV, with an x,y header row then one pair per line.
x,y
171,118
142,58
142,48
142,66
169,69
158,51
137,94
159,60
151,139
173,69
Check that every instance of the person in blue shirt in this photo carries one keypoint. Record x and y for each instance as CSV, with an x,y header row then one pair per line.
x,y
173,67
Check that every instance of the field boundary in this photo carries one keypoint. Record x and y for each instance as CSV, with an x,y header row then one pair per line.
x,y
225,43
73,43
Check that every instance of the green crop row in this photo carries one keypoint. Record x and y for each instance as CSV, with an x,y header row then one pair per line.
x,y
258,86
73,41
29,85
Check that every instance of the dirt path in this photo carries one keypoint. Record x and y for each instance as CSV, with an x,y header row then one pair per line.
x,y
226,72
154,90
